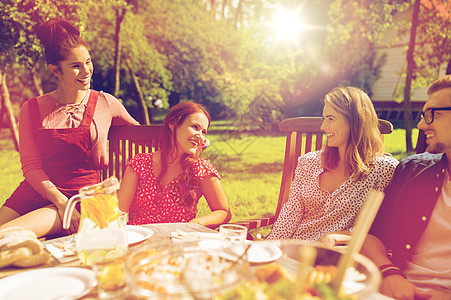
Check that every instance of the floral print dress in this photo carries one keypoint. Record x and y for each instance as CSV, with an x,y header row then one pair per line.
x,y
154,204
311,211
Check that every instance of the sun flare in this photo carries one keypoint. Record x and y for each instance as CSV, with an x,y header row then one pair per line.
x,y
287,25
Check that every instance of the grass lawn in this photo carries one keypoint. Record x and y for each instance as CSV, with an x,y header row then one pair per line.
x,y
250,167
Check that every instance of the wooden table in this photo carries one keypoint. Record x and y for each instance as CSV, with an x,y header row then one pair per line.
x,y
161,232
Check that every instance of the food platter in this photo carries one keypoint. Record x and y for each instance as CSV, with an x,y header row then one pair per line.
x,y
191,266
185,270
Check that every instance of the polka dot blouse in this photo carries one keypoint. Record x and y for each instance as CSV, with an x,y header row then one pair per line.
x,y
311,211
163,205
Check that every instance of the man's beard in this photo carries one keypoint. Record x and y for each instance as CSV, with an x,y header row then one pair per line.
x,y
436,148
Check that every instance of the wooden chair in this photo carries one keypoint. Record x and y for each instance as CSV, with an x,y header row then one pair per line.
x,y
126,141
303,135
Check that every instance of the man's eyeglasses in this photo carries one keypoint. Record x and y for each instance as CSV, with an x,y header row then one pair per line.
x,y
428,114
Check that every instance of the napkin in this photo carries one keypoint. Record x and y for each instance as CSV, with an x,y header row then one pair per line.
x,y
182,235
63,249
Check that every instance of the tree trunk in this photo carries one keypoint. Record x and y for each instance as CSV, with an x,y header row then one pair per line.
x,y
120,14
409,72
224,5
238,14
140,93
7,107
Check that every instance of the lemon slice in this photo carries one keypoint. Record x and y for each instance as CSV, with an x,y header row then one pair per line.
x,y
92,257
111,276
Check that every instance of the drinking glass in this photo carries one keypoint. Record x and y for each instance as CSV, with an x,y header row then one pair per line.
x,y
233,233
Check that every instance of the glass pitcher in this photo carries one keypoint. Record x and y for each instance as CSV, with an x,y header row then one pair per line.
x,y
101,234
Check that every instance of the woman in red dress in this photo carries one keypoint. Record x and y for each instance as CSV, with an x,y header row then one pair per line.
x,y
62,135
165,186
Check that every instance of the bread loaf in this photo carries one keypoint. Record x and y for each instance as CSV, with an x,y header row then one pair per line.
x,y
8,257
16,231
34,260
10,243
20,247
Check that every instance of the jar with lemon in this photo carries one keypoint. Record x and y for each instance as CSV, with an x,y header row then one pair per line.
x,y
101,240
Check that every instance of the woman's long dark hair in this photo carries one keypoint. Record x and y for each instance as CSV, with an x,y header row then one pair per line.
x,y
168,148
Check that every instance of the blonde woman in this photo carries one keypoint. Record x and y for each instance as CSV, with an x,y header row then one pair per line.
x,y
331,185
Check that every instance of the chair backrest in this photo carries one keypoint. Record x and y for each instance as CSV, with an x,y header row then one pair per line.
x,y
304,135
126,141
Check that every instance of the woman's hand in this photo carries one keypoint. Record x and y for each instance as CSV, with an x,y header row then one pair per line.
x,y
336,238
75,218
205,143
60,201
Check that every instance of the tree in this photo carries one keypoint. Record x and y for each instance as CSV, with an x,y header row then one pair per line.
x,y
7,40
409,73
210,60
20,52
431,26
341,49
120,14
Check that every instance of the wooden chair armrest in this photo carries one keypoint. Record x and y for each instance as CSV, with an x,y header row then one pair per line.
x,y
256,222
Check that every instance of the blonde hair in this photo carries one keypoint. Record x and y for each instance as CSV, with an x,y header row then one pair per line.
x,y
364,141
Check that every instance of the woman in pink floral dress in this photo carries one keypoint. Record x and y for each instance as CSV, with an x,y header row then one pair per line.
x,y
165,186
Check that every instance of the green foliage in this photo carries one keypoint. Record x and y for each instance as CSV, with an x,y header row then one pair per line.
x,y
433,44
222,53
10,166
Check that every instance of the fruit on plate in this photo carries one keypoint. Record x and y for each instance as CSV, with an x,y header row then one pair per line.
x,y
273,282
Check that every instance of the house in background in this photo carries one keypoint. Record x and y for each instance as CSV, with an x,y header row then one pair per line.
x,y
388,90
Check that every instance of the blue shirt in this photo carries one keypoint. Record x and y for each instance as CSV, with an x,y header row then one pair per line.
x,y
408,204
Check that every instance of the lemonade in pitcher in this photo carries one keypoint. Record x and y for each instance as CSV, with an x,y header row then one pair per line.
x,y
101,240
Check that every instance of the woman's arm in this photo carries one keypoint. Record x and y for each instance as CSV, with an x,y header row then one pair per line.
x,y
30,156
126,192
217,201
120,115
31,160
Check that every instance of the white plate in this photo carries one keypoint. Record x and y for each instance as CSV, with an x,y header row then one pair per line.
x,y
48,283
262,252
136,234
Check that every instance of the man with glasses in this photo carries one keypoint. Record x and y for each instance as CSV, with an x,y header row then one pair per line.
x,y
410,240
